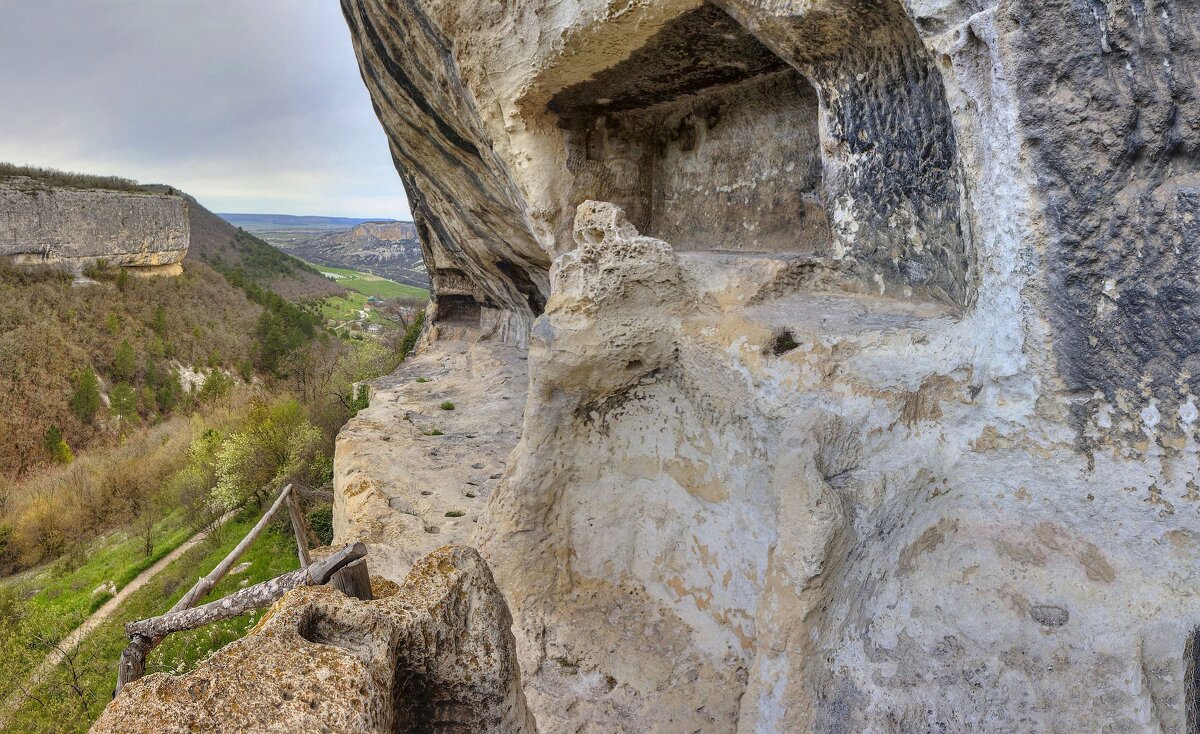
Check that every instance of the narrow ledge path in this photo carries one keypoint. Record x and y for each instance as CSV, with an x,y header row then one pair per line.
x,y
414,470
56,656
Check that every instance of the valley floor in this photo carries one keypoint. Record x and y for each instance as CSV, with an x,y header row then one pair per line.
x,y
68,695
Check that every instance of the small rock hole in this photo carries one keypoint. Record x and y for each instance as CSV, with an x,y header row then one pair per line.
x,y
783,343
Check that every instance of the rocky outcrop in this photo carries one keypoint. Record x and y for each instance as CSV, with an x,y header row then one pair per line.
x,y
861,387
417,467
435,655
73,228
484,262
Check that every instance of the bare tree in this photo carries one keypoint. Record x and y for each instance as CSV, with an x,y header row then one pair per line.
x,y
76,662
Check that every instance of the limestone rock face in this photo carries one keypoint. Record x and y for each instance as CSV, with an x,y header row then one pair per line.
x,y
435,655
862,385
72,228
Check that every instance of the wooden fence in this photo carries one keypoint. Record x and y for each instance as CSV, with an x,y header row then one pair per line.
x,y
345,569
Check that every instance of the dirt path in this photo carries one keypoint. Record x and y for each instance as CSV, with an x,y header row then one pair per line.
x,y
17,697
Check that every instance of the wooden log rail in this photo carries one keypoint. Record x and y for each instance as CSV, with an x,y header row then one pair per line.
x,y
347,569
248,599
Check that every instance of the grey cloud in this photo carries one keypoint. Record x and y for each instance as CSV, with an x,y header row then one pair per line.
x,y
249,105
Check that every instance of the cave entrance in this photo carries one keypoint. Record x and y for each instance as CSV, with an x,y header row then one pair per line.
x,y
705,138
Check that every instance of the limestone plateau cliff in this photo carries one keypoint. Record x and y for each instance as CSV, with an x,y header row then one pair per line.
x,y
72,228
817,365
388,249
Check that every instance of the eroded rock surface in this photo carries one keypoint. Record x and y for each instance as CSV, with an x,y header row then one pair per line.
x,y
874,409
74,228
435,655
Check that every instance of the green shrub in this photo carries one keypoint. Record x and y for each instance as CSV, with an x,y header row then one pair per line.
x,y
412,333
216,384
447,405
163,386
85,400
275,444
320,521
320,470
56,447
124,364
361,400
159,323
123,400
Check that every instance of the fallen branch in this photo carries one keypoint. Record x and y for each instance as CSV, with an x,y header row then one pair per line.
x,y
206,584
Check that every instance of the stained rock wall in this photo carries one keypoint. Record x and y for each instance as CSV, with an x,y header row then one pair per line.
x,y
72,228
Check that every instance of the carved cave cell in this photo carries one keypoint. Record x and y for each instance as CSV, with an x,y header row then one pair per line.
x,y
713,142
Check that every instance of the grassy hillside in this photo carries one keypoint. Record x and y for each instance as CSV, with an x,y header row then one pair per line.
x,y
131,337
134,410
75,692
220,245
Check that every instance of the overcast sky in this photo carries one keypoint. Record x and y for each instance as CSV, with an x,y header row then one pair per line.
x,y
249,105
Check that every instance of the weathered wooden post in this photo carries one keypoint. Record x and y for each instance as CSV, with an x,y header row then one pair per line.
x,y
250,598
299,529
354,580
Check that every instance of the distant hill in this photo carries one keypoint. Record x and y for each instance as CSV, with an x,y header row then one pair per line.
x,y
52,331
220,244
387,249
255,221
383,247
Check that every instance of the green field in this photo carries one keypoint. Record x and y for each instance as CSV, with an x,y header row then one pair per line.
x,y
74,694
346,308
41,607
372,285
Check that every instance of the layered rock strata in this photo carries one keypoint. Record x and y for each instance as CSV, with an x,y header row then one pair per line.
x,y
75,228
